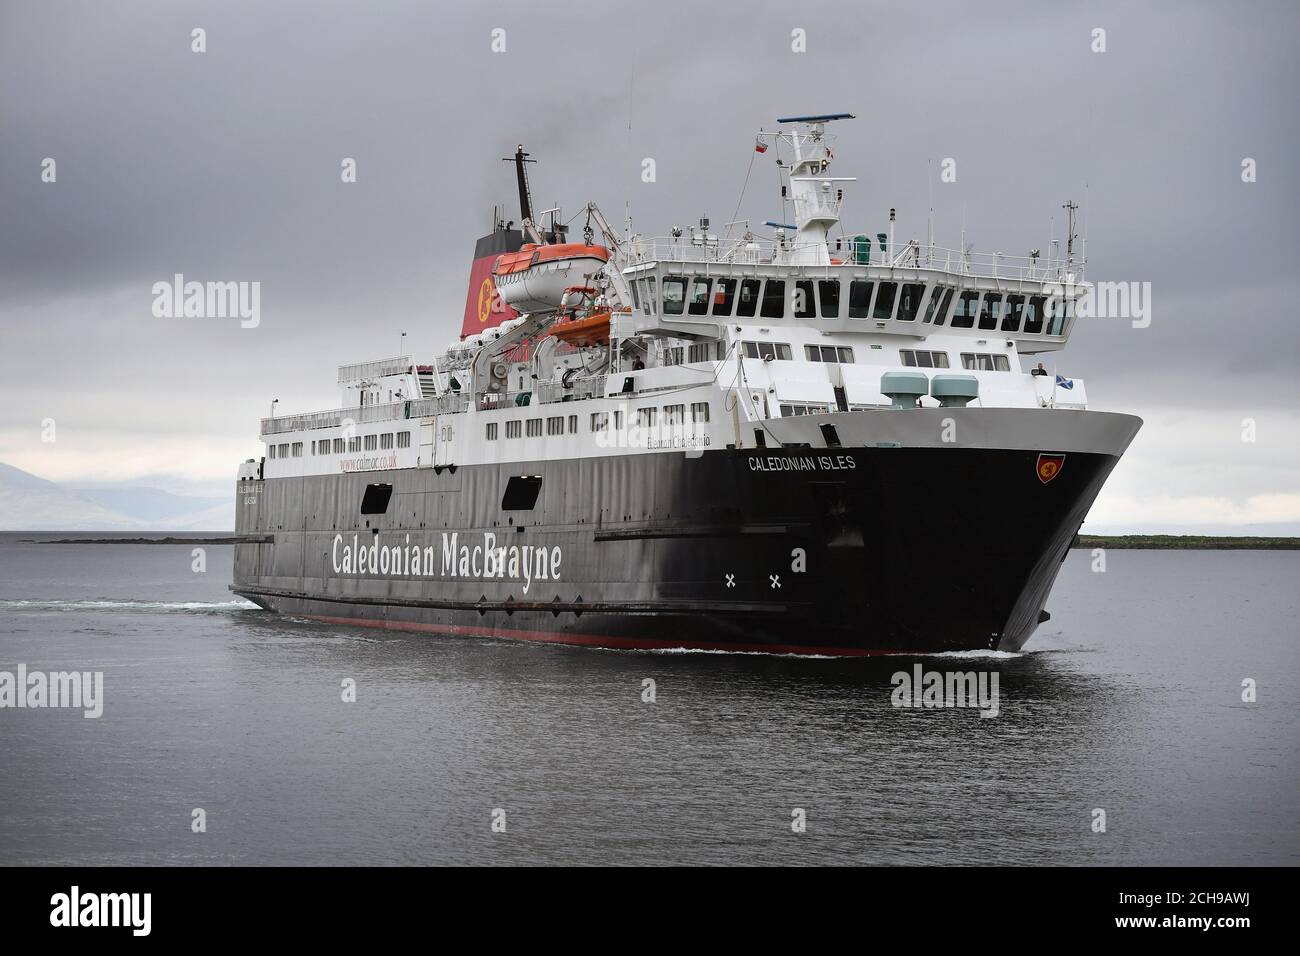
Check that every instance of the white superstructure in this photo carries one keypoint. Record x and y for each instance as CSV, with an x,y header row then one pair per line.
x,y
708,342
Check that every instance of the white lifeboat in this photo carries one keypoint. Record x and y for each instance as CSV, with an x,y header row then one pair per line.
x,y
535,278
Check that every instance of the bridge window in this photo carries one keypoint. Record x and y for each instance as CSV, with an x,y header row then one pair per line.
x,y
1034,314
514,429
521,492
635,286
910,302
930,307
1064,309
941,316
774,299
674,295
724,293
859,298
768,351
700,297
648,294
1011,318
991,311
375,500
884,307
491,431
829,292
533,428
748,302
967,307
805,307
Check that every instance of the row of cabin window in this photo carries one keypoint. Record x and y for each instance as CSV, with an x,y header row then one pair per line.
x,y
555,425
648,416
339,446
809,298
285,450
973,361
699,352
780,352
645,418
985,362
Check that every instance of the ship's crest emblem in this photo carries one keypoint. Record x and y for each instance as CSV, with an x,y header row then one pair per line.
x,y
1049,466
485,295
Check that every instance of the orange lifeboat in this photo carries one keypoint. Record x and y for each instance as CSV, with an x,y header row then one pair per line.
x,y
583,320
591,330
535,278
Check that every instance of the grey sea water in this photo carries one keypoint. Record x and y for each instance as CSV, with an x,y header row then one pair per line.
x,y
1128,700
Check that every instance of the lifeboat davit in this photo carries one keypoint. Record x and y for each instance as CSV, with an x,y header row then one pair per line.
x,y
535,278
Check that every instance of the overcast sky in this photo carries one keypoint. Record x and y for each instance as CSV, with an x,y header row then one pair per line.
x,y
225,165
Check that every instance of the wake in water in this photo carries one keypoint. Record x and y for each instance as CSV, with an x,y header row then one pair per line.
x,y
105,604
989,655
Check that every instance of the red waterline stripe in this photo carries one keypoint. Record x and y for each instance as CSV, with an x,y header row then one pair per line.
x,y
595,640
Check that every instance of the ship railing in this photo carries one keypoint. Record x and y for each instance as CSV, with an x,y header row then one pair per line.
x,y
854,250
333,418
450,403
398,365
341,417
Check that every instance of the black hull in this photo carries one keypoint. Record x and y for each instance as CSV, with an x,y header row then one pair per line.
x,y
863,550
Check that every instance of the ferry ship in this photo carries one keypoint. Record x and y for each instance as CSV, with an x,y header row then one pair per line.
x,y
806,442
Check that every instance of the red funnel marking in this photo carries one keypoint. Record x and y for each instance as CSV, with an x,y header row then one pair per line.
x,y
483,306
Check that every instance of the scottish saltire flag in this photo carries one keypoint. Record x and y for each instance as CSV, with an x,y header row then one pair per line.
x,y
1063,382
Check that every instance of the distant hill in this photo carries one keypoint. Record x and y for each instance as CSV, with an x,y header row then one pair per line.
x,y
149,504
30,503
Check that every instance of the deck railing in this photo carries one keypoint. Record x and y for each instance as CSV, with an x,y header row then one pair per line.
x,y
851,250
398,365
394,411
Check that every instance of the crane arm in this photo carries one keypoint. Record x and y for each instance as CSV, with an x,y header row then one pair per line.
x,y
614,268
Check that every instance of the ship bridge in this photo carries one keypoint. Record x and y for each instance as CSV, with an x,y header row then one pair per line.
x,y
693,287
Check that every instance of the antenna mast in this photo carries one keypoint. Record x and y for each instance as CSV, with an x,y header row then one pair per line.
x,y
1069,207
521,174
